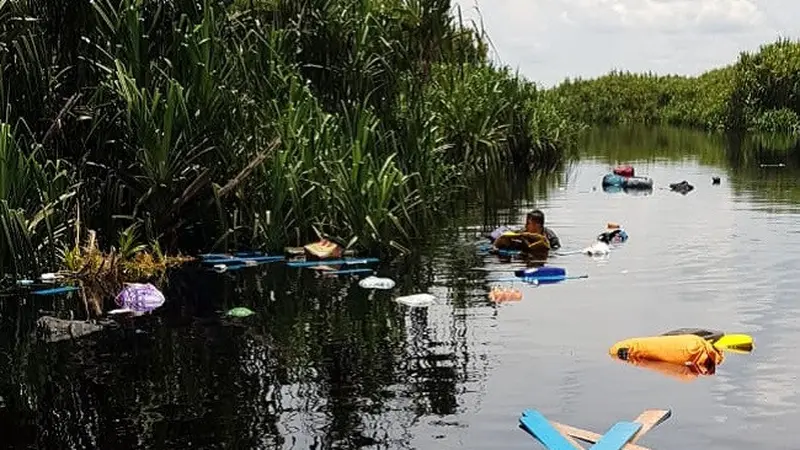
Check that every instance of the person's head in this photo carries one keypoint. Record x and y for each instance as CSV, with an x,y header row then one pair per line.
x,y
534,223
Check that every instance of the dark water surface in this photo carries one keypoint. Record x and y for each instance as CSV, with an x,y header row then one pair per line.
x,y
326,364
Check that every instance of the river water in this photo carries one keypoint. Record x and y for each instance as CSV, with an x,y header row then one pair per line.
x,y
325,364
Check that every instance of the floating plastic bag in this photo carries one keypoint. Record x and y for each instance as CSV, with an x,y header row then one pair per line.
x,y
417,300
240,311
597,249
373,282
140,298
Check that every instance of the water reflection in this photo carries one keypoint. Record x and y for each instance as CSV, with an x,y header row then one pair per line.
x,y
681,372
748,163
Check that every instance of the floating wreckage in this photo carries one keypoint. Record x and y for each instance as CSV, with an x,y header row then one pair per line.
x,y
557,436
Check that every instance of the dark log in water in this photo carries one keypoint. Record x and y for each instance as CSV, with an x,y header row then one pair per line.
x,y
53,329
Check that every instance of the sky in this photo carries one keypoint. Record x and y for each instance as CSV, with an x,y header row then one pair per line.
x,y
550,40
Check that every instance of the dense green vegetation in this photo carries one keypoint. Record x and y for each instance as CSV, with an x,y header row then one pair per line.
x,y
223,124
760,92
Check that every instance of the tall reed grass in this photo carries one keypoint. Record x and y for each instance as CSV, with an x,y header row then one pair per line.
x,y
217,125
759,93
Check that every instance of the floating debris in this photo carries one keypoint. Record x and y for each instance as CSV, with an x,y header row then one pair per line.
x,y
53,329
373,282
417,300
50,277
597,249
682,188
501,295
57,290
140,298
557,436
240,311
332,262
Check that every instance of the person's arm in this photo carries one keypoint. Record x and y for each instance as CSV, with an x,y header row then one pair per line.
x,y
555,243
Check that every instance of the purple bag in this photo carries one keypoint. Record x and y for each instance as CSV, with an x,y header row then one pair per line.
x,y
140,298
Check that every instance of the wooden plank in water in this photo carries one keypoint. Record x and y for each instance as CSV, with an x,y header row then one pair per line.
x,y
619,435
538,426
650,419
588,436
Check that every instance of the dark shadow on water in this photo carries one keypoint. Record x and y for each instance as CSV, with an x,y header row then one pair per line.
x,y
678,372
319,357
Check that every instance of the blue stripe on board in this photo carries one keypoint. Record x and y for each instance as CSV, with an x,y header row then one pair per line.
x,y
214,256
532,279
243,261
332,262
540,428
619,435
57,290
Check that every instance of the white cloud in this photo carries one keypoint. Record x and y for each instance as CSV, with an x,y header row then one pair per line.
x,y
666,15
549,40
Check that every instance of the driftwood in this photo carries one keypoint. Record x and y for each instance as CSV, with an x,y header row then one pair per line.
x,y
52,329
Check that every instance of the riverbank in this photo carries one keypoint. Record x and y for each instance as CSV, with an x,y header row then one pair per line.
x,y
212,127
758,93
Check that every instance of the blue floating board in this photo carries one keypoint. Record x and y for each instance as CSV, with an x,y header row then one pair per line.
x,y
539,427
57,290
332,262
619,435
539,272
214,256
242,261
543,279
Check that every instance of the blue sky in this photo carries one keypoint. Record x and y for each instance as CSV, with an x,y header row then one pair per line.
x,y
548,40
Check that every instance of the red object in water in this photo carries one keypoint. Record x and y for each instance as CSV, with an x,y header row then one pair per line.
x,y
624,171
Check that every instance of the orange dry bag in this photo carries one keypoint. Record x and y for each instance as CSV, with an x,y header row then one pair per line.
x,y
686,349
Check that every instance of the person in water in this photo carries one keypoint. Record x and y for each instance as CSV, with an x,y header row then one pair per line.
x,y
534,223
